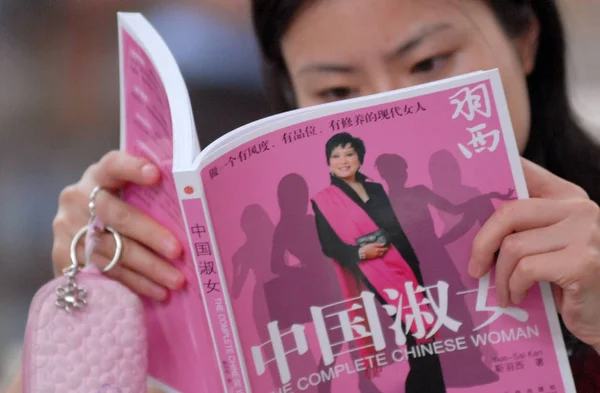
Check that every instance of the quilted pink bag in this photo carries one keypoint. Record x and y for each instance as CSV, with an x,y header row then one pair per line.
x,y
85,334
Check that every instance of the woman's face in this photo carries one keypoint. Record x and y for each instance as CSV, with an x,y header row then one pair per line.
x,y
344,162
338,49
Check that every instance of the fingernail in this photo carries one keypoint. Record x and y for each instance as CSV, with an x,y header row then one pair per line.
x,y
502,302
160,294
517,300
473,269
149,171
172,248
176,281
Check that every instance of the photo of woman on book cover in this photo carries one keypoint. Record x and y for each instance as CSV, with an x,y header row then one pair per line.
x,y
349,214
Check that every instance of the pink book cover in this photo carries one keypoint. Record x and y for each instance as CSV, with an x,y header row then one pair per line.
x,y
179,343
311,316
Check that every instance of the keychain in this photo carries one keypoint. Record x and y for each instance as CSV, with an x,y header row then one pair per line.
x,y
71,296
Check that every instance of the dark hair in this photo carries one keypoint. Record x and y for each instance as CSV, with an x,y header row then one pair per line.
x,y
344,139
556,141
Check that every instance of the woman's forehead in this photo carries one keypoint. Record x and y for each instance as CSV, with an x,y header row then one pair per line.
x,y
333,27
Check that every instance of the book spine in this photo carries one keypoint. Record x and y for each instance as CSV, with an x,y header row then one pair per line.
x,y
213,288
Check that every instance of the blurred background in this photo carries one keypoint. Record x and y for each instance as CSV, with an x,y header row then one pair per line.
x,y
59,109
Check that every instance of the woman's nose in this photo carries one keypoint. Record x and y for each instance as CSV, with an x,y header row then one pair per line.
x,y
386,80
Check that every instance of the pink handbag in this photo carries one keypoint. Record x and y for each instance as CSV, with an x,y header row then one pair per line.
x,y
85,334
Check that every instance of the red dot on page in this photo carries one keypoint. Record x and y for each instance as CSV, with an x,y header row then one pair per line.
x,y
188,190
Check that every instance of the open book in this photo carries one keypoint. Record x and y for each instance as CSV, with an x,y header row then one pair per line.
x,y
327,247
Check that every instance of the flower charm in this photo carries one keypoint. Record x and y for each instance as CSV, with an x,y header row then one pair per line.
x,y
70,296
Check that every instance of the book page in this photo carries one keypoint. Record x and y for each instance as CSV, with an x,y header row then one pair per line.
x,y
407,317
179,343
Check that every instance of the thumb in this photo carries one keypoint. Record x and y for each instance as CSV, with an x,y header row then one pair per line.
x,y
542,183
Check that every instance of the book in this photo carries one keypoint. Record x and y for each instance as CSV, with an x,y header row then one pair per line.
x,y
280,297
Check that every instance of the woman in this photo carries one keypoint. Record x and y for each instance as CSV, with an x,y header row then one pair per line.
x,y
350,209
295,237
413,205
325,50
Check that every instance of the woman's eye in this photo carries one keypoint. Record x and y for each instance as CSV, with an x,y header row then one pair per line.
x,y
429,65
335,93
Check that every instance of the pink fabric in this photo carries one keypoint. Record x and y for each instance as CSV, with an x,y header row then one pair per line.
x,y
350,222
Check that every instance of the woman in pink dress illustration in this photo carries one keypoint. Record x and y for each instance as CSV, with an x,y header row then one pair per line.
x,y
308,282
349,212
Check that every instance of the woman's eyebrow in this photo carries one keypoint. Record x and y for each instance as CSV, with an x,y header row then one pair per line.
x,y
413,43
327,68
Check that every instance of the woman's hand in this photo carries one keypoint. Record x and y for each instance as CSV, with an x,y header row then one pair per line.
x,y
374,250
139,268
552,237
